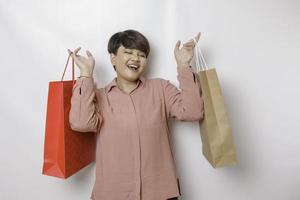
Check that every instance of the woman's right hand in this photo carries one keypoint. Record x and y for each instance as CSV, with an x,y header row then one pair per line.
x,y
86,65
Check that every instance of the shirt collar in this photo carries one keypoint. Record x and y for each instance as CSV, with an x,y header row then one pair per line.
x,y
113,83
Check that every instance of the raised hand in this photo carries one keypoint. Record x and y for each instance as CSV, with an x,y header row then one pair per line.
x,y
85,64
184,55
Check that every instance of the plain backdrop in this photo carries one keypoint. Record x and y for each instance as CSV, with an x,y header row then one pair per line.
x,y
254,45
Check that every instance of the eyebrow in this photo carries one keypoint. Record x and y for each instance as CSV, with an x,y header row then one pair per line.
x,y
139,51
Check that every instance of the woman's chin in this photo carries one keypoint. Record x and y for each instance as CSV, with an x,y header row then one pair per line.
x,y
133,76
130,75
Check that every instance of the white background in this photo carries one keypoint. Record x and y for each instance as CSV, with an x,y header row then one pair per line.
x,y
254,46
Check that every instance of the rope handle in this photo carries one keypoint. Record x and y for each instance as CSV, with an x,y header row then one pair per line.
x,y
200,61
73,68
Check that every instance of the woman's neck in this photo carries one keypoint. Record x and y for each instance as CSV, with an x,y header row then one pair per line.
x,y
125,85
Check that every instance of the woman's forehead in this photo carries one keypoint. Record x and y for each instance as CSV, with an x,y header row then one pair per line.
x,y
132,49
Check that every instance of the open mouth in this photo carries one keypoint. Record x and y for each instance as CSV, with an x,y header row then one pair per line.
x,y
133,67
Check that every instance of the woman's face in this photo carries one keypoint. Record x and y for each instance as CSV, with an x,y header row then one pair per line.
x,y
130,63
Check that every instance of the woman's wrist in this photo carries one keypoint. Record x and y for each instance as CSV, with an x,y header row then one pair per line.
x,y
179,66
86,74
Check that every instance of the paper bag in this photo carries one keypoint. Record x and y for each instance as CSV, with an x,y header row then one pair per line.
x,y
65,151
216,134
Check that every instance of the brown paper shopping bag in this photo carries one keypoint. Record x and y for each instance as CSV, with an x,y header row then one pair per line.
x,y
65,151
215,129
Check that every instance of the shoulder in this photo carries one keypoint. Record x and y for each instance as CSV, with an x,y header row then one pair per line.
x,y
157,81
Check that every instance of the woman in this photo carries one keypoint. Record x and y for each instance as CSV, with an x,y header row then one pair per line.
x,y
134,160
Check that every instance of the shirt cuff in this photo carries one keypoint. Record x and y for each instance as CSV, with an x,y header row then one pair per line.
x,y
84,84
187,73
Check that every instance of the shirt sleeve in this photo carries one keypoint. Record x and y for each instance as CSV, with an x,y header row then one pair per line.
x,y
84,114
187,104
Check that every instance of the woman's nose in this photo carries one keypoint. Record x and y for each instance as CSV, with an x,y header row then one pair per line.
x,y
135,57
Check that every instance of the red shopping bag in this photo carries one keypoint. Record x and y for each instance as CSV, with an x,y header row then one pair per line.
x,y
65,151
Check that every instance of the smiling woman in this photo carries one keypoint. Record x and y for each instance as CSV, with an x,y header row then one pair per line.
x,y
133,158
129,51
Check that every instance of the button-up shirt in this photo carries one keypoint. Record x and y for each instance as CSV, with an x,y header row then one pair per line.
x,y
134,160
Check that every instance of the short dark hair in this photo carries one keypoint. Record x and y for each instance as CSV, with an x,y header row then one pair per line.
x,y
130,39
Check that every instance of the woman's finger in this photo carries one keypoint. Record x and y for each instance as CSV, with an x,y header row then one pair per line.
x,y
189,44
72,54
76,50
90,56
80,57
177,45
189,48
198,36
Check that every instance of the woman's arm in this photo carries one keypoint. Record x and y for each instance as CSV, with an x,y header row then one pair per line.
x,y
84,114
187,104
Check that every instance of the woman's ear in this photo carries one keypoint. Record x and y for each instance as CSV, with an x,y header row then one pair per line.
x,y
112,58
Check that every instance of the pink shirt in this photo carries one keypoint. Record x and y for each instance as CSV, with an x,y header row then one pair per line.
x,y
134,160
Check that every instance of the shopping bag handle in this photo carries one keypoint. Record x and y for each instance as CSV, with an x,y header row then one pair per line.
x,y
200,61
73,69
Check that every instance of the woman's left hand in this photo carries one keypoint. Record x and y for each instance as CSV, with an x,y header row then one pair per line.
x,y
184,55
